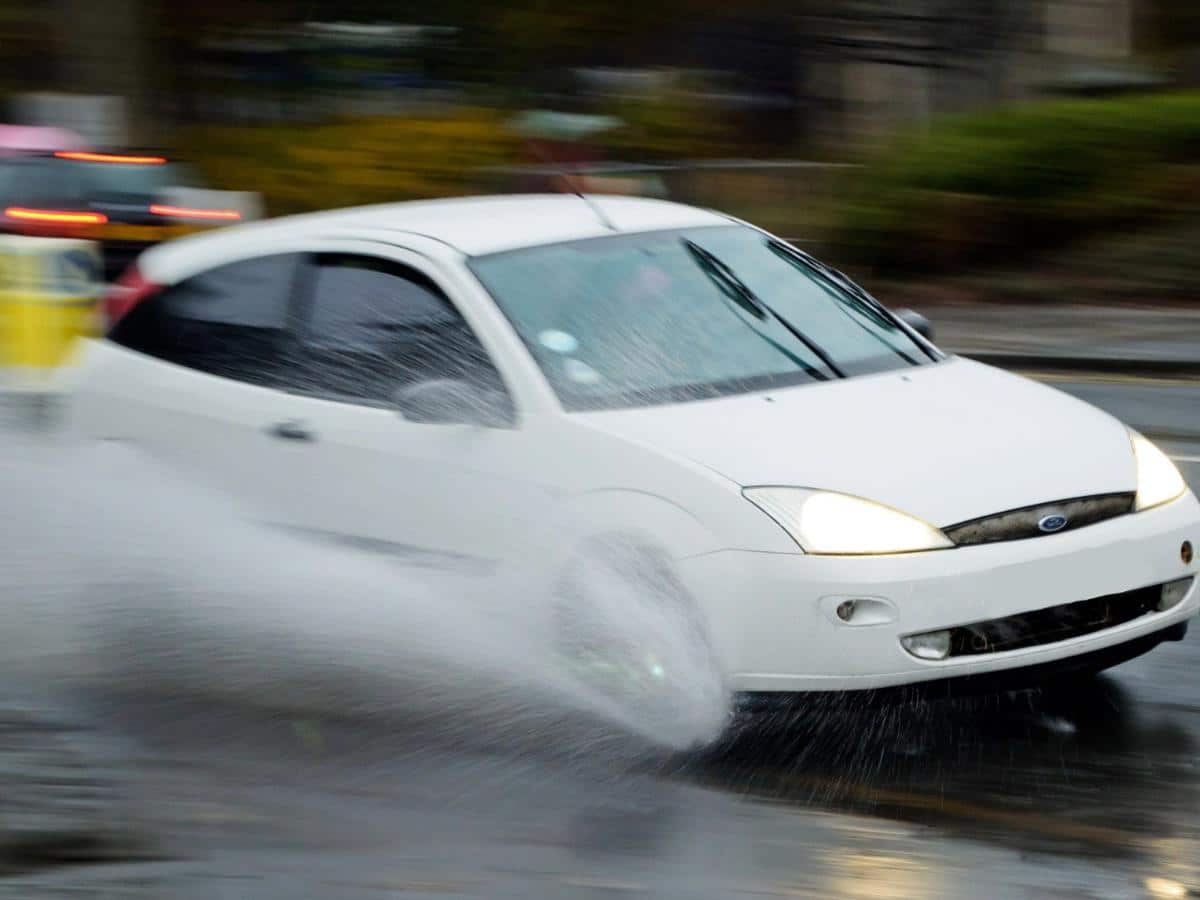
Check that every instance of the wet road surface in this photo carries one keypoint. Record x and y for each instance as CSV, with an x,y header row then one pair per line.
x,y
1090,790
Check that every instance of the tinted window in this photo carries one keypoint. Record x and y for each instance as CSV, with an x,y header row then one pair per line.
x,y
230,321
374,327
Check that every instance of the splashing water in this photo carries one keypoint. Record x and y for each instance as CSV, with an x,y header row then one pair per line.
x,y
116,570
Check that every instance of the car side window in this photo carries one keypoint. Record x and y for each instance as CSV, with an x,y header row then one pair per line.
x,y
230,321
374,327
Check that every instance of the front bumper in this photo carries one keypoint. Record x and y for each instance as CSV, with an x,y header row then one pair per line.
x,y
774,623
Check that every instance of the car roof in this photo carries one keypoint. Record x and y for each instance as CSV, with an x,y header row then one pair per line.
x,y
472,225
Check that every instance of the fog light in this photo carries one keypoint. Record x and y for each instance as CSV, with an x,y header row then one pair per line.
x,y
930,645
1185,552
1173,592
845,610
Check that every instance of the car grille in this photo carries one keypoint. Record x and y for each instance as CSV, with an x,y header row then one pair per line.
x,y
1015,524
1056,623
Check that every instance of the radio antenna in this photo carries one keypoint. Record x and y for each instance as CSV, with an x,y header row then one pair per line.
x,y
572,185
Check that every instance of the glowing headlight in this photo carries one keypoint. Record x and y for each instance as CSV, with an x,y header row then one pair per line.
x,y
843,525
1158,481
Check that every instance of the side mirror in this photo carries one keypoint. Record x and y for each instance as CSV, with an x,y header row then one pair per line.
x,y
916,322
450,401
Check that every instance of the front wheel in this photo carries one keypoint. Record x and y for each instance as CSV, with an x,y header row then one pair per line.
x,y
630,635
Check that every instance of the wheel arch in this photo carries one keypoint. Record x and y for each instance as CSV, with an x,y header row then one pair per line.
x,y
639,519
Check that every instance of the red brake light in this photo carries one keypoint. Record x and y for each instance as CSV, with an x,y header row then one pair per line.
x,y
127,292
54,216
188,212
86,156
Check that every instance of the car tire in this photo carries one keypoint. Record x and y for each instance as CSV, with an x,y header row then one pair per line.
x,y
627,630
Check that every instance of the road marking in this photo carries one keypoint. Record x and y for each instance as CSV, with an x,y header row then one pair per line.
x,y
1112,378
604,884
1187,459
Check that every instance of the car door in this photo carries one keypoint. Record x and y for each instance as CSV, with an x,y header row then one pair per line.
x,y
449,495
193,372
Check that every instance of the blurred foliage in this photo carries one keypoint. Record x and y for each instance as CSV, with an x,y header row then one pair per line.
x,y
1160,263
671,123
353,161
301,167
1153,265
988,186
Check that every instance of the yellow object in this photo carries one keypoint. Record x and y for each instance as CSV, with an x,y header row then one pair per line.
x,y
49,291
139,233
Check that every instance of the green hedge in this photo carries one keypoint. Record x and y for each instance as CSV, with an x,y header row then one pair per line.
x,y
987,186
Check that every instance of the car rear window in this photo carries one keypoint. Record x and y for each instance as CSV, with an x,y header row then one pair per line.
x,y
59,182
129,181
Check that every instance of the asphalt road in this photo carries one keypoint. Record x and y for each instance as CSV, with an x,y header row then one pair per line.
x,y
1087,792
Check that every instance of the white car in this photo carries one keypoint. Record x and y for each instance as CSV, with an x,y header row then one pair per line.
x,y
838,504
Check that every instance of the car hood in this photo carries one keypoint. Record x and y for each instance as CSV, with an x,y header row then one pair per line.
x,y
947,442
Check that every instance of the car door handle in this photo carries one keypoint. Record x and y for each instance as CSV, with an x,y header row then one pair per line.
x,y
292,430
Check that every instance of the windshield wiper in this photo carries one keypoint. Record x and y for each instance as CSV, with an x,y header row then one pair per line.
x,y
738,293
809,261
876,310
729,283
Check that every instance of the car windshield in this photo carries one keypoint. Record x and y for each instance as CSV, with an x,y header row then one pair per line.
x,y
670,316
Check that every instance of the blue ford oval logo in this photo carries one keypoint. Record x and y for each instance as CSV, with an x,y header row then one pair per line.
x,y
1052,522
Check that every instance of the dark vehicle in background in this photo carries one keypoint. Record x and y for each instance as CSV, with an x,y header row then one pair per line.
x,y
122,200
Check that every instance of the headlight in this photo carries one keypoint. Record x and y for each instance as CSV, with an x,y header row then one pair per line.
x,y
1158,481
825,522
